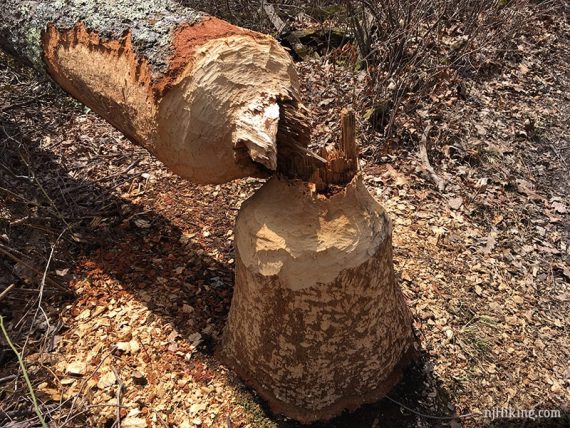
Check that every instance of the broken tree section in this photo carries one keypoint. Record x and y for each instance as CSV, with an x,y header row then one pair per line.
x,y
317,322
202,95
331,166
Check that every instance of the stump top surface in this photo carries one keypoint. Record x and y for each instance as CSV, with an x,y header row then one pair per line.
x,y
306,238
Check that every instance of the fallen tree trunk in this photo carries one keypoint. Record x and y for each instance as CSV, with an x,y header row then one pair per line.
x,y
202,95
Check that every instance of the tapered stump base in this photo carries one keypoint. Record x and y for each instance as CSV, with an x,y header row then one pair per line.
x,y
317,324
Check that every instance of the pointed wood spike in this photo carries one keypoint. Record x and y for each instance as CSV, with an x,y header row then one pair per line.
x,y
348,126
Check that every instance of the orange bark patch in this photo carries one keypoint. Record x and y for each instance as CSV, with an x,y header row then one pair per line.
x,y
187,38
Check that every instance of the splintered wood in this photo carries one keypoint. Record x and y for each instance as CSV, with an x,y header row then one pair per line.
x,y
342,160
333,165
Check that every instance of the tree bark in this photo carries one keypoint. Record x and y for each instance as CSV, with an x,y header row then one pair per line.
x,y
204,96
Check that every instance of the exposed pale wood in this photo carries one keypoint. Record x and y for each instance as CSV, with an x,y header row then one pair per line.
x,y
334,166
317,322
342,159
199,93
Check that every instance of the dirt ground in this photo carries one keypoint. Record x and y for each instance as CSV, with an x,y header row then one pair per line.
x,y
123,272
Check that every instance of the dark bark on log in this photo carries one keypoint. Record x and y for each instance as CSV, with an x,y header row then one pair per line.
x,y
149,23
201,94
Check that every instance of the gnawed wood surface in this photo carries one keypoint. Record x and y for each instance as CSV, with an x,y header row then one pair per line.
x,y
199,93
317,322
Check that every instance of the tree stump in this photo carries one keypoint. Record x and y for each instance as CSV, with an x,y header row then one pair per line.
x,y
317,322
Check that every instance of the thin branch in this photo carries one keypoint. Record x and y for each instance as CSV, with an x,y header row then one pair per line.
x,y
6,291
6,251
24,372
426,166
120,386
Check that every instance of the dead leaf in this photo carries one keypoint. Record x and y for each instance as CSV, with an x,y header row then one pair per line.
x,y
76,368
527,188
107,380
143,224
559,207
480,130
491,241
455,203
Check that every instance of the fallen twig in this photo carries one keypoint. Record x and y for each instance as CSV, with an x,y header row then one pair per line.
x,y
5,292
426,166
6,251
82,388
22,103
41,292
98,180
119,389
24,372
8,378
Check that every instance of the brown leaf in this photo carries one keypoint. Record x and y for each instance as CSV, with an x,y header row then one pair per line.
x,y
455,203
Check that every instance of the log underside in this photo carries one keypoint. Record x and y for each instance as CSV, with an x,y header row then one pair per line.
x,y
317,323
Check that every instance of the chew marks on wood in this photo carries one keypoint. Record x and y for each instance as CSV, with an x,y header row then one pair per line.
x,y
199,93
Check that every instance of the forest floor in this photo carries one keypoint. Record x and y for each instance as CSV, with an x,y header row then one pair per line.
x,y
123,272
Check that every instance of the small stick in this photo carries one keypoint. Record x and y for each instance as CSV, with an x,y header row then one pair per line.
x,y
119,389
438,181
5,292
5,250
7,378
82,387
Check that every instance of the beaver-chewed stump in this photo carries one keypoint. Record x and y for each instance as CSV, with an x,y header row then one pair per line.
x,y
317,322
